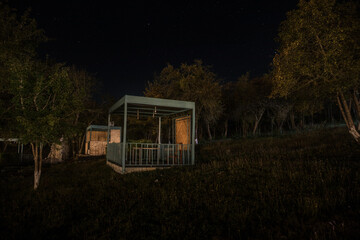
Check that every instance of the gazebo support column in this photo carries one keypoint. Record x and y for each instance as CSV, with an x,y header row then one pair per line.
x,y
159,149
123,152
159,130
108,135
90,135
193,137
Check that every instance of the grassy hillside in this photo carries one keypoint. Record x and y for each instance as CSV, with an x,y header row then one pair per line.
x,y
293,187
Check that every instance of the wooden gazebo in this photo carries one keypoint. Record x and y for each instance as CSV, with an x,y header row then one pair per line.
x,y
179,151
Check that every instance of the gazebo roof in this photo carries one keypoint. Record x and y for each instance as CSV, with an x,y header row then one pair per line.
x,y
146,106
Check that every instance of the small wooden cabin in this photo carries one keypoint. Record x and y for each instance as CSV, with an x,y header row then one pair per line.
x,y
96,139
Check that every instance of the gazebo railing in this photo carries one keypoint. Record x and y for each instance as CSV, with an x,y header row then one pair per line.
x,y
150,154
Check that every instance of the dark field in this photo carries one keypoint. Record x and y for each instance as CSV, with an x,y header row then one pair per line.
x,y
303,186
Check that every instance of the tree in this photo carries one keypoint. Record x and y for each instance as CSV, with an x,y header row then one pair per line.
x,y
251,101
279,111
228,97
82,112
318,56
194,82
42,97
18,40
19,37
42,108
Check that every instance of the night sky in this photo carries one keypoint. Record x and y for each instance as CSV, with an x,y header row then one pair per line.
x,y
125,43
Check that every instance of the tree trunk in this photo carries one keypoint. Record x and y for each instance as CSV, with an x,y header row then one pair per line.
x,y
281,126
40,163
5,147
357,108
73,150
302,121
292,120
255,126
257,121
354,133
82,142
37,163
345,111
342,111
226,128
208,130
244,128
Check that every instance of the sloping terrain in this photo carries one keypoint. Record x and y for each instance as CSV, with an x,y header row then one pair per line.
x,y
293,187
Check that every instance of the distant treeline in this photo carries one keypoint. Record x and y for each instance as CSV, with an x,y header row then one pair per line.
x,y
242,108
314,79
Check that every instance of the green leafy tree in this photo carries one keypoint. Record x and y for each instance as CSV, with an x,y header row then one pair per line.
x,y
19,37
318,56
279,110
228,97
84,111
40,101
166,84
41,106
251,101
30,86
195,82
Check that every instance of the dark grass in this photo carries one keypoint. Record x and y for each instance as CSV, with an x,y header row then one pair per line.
x,y
304,186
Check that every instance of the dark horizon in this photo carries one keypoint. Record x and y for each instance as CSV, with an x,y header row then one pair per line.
x,y
125,44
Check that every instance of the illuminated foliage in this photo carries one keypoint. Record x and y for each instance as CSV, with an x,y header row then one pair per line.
x,y
40,101
319,54
319,49
192,83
